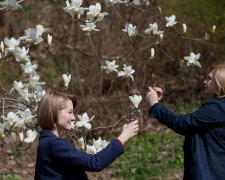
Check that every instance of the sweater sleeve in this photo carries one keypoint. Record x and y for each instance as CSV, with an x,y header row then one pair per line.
x,y
65,152
208,115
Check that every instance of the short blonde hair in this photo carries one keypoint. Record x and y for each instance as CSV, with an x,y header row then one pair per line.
x,y
49,106
219,75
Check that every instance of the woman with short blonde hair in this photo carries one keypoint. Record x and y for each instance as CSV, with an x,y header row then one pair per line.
x,y
56,158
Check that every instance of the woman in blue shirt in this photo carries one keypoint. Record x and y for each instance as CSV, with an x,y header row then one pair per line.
x,y
204,129
59,160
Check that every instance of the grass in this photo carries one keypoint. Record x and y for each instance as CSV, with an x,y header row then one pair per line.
x,y
9,177
151,155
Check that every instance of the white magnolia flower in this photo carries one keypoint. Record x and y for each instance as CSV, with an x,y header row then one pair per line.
x,y
11,118
39,92
95,14
135,2
135,100
74,8
184,28
171,20
21,54
17,86
193,59
21,136
130,29
2,128
91,149
127,72
81,142
13,136
24,94
40,29
90,26
152,53
84,121
97,146
100,144
49,39
66,79
33,98
20,123
110,66
28,68
153,28
33,35
26,115
11,44
31,135
10,5
34,80
147,2
2,47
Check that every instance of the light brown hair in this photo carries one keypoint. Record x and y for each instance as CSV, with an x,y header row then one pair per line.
x,y
219,75
49,106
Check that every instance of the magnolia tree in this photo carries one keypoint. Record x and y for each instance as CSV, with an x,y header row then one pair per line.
x,y
18,122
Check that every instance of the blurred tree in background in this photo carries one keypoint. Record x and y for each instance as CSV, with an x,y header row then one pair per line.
x,y
102,93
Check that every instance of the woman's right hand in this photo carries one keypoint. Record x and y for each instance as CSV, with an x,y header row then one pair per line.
x,y
129,130
154,95
159,92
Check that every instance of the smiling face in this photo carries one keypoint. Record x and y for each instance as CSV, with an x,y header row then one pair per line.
x,y
65,117
210,87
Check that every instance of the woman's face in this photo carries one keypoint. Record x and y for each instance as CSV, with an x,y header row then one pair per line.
x,y
65,117
210,87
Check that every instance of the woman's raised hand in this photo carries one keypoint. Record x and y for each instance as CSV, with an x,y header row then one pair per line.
x,y
129,130
154,95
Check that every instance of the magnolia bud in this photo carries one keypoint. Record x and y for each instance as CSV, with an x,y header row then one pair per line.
x,y
160,10
78,16
161,37
13,136
206,37
213,28
152,53
49,40
184,28
21,136
67,3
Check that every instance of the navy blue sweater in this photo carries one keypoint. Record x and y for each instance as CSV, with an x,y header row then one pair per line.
x,y
59,160
204,131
